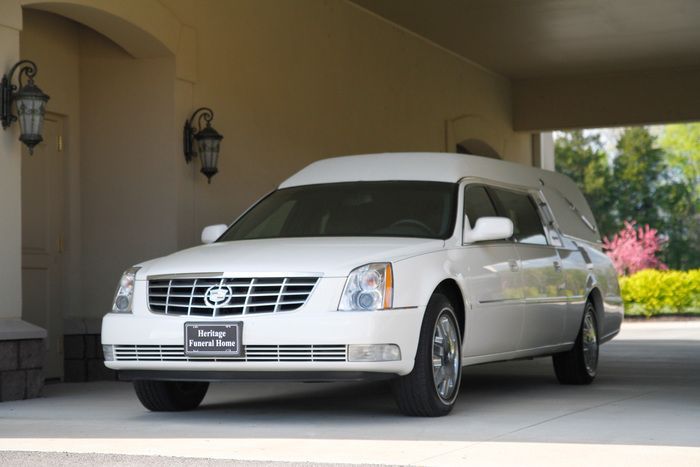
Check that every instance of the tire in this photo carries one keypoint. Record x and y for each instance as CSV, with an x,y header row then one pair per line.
x,y
170,396
425,392
580,364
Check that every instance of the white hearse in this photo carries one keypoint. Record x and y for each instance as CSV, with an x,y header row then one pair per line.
x,y
402,266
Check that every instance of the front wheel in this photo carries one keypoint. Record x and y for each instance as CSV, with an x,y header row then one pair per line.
x,y
170,396
430,390
580,364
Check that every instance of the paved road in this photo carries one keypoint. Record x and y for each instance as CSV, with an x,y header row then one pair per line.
x,y
644,409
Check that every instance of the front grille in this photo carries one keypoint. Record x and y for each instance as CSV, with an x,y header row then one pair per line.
x,y
253,353
236,296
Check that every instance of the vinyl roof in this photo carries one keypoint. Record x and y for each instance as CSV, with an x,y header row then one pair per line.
x,y
441,167
566,200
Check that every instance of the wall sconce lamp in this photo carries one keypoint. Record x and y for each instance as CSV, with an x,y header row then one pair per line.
x,y
29,100
208,141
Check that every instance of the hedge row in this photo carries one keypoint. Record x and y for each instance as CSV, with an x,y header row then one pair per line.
x,y
652,292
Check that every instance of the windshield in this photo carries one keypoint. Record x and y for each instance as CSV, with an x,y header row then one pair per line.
x,y
358,209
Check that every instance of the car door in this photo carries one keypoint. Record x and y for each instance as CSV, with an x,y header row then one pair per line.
x,y
492,282
542,275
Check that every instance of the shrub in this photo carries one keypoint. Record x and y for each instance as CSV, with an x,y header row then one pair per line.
x,y
650,292
633,249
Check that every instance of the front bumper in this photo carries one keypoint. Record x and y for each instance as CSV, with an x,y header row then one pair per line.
x,y
299,376
304,328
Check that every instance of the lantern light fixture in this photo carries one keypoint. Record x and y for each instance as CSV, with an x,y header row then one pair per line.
x,y
207,141
30,102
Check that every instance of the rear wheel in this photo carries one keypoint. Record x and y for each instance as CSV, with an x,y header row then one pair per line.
x,y
430,390
170,396
580,364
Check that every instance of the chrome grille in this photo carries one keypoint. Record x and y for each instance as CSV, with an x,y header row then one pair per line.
x,y
253,353
179,296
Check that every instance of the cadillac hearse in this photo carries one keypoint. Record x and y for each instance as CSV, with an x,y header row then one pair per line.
x,y
404,267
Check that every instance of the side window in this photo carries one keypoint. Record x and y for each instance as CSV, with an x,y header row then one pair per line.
x,y
520,208
477,203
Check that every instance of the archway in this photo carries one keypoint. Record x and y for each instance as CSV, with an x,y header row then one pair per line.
x,y
112,88
477,147
149,31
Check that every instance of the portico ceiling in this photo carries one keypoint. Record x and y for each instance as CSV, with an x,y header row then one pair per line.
x,y
571,63
546,38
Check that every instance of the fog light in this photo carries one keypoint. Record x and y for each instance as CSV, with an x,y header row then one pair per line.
x,y
374,353
108,351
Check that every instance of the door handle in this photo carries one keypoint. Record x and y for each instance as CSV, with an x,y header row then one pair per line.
x,y
513,265
557,265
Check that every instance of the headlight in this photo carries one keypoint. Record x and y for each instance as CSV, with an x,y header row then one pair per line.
x,y
369,287
125,292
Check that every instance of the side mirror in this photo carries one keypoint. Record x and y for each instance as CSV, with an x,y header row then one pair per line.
x,y
487,228
212,232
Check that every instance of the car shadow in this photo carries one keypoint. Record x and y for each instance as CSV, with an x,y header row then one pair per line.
x,y
629,364
641,383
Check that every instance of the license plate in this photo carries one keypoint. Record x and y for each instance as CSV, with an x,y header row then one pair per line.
x,y
213,339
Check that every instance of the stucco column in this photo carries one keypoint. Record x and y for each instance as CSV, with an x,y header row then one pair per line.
x,y
22,344
547,151
543,150
10,177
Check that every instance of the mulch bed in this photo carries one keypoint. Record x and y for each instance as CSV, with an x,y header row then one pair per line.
x,y
678,317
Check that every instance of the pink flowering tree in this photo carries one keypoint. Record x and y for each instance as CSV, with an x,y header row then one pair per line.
x,y
634,248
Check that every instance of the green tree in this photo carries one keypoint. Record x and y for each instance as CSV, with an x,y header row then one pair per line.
x,y
680,226
681,143
656,187
581,156
651,182
637,176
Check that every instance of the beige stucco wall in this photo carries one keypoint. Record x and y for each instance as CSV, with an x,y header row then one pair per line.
x,y
128,164
617,99
120,176
53,43
290,82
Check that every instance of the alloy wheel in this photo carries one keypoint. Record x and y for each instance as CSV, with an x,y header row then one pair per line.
x,y
589,341
446,359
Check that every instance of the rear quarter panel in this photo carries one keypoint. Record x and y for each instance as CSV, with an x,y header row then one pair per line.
x,y
605,279
590,275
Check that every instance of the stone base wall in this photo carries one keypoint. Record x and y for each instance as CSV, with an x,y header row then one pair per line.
x,y
21,368
84,360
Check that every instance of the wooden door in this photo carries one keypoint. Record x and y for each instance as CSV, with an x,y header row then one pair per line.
x,y
43,239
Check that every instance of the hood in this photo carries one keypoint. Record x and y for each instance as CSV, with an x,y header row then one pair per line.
x,y
330,257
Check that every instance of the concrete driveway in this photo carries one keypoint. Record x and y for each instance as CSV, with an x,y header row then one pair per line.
x,y
644,409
